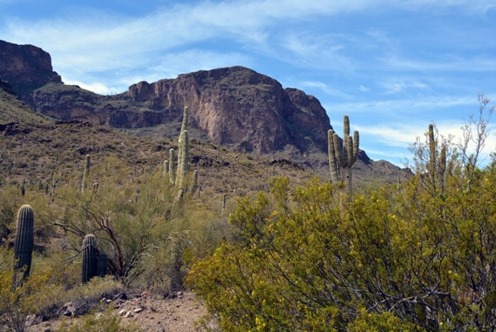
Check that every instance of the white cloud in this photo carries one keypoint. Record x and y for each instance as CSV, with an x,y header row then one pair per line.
x,y
469,6
396,85
395,138
393,135
402,106
452,64
325,52
96,87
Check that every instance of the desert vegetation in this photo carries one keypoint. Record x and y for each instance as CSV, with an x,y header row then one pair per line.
x,y
303,253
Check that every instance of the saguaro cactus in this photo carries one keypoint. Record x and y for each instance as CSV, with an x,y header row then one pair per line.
x,y
437,166
183,165
23,246
165,168
342,154
90,257
194,185
172,169
183,151
223,206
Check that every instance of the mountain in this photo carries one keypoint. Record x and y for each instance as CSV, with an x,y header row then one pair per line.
x,y
235,107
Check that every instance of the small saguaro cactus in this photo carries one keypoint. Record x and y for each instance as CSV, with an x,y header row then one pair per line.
x,y
23,188
342,154
90,257
224,201
86,171
172,169
194,185
23,246
165,168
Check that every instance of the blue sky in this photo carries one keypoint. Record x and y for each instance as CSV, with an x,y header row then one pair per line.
x,y
393,66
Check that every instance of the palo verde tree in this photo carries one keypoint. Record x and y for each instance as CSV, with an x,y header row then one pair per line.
x,y
123,213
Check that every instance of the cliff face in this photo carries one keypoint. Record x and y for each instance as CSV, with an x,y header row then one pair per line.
x,y
236,105
25,68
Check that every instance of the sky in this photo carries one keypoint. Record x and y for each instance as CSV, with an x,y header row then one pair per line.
x,y
393,66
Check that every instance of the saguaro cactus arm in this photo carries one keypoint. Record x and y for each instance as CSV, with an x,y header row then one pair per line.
x,y
333,163
356,143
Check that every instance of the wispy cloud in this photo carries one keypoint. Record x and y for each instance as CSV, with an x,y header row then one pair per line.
x,y
98,41
446,63
395,138
397,107
396,85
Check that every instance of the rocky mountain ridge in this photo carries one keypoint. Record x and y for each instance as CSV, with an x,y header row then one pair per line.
x,y
233,106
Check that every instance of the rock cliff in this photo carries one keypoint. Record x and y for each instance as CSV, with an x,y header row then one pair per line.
x,y
25,68
237,105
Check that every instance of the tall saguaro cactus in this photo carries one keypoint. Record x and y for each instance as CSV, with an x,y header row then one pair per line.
x,y
343,153
23,246
183,165
90,257
183,151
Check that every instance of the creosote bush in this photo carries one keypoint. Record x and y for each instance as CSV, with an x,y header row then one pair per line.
x,y
395,258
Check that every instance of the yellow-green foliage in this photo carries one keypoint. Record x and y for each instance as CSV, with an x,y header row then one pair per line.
x,y
31,297
397,258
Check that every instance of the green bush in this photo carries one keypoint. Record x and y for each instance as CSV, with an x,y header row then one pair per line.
x,y
403,256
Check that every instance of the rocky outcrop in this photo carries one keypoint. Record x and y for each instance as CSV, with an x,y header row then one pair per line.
x,y
237,105
25,68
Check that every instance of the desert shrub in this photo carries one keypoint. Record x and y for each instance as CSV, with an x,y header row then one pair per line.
x,y
399,256
36,293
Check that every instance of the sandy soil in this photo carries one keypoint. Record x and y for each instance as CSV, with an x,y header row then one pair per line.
x,y
179,314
